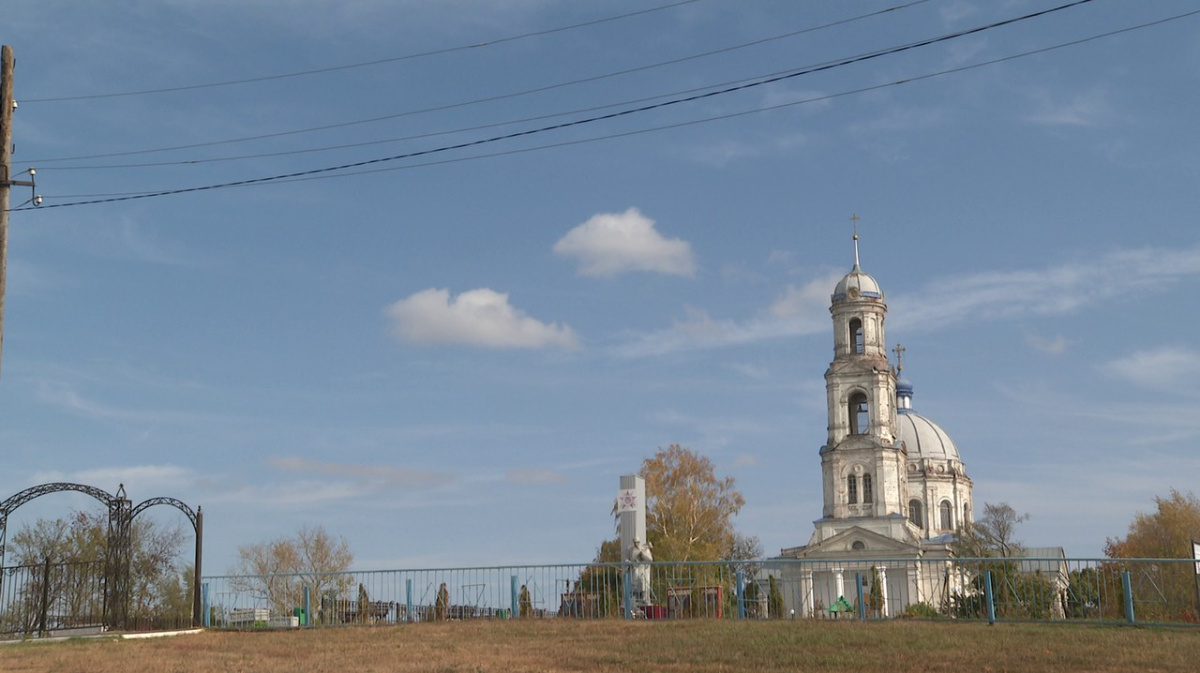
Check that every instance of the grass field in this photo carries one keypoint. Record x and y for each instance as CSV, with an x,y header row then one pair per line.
x,y
692,646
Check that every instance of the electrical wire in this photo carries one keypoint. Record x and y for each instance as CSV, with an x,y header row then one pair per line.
x,y
451,106
587,120
343,170
673,125
365,64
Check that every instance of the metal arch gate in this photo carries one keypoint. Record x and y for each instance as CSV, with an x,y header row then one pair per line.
x,y
121,513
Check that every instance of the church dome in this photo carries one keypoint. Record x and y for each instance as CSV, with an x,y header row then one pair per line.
x,y
857,284
922,437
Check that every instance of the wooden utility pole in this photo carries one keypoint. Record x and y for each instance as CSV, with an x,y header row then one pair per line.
x,y
6,110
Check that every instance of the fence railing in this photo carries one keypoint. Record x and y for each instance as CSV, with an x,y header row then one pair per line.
x,y
72,598
1132,591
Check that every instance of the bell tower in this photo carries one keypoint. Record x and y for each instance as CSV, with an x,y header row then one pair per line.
x,y
862,463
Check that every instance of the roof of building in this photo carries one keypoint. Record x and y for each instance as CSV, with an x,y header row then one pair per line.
x,y
855,284
922,437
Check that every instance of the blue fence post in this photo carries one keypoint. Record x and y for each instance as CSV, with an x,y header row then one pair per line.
x,y
741,594
516,607
1127,587
307,606
408,613
988,597
627,590
858,592
207,618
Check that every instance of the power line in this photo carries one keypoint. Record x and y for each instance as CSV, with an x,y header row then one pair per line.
x,y
323,174
365,64
588,120
489,99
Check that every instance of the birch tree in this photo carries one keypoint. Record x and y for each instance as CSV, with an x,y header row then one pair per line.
x,y
689,511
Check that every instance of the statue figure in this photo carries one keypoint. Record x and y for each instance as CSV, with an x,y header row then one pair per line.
x,y
642,557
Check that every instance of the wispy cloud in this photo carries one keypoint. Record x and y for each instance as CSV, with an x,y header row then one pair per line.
x,y
799,310
1165,368
535,476
1049,291
1055,345
481,317
143,478
67,397
609,244
379,475
803,310
1087,109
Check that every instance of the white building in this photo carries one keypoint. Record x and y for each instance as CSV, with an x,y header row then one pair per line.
x,y
895,487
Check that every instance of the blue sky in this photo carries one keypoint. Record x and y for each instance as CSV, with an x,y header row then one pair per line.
x,y
450,356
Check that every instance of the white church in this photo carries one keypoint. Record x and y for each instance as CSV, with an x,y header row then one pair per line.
x,y
895,487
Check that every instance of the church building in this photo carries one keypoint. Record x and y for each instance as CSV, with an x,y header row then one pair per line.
x,y
895,488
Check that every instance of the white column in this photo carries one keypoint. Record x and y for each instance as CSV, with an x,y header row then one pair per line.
x,y
839,583
806,593
883,610
916,584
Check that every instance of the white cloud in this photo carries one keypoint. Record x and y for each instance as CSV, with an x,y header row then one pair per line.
x,y
806,303
1162,368
613,243
481,317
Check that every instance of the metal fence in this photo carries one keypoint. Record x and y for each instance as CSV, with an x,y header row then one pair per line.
x,y
73,598
1126,591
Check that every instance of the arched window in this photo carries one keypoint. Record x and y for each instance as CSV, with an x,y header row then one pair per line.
x,y
858,545
852,489
914,513
947,515
856,336
860,416
866,488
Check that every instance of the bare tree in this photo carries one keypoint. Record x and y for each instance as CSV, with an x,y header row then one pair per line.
x,y
279,570
992,535
78,548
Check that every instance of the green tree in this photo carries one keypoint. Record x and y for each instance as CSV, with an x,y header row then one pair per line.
x,y
279,570
874,596
775,599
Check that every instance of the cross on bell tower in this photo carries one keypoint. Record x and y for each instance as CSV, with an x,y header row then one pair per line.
x,y
863,467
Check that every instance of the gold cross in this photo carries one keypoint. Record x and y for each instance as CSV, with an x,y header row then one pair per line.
x,y
899,351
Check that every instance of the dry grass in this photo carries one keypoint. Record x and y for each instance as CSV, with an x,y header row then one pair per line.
x,y
692,646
